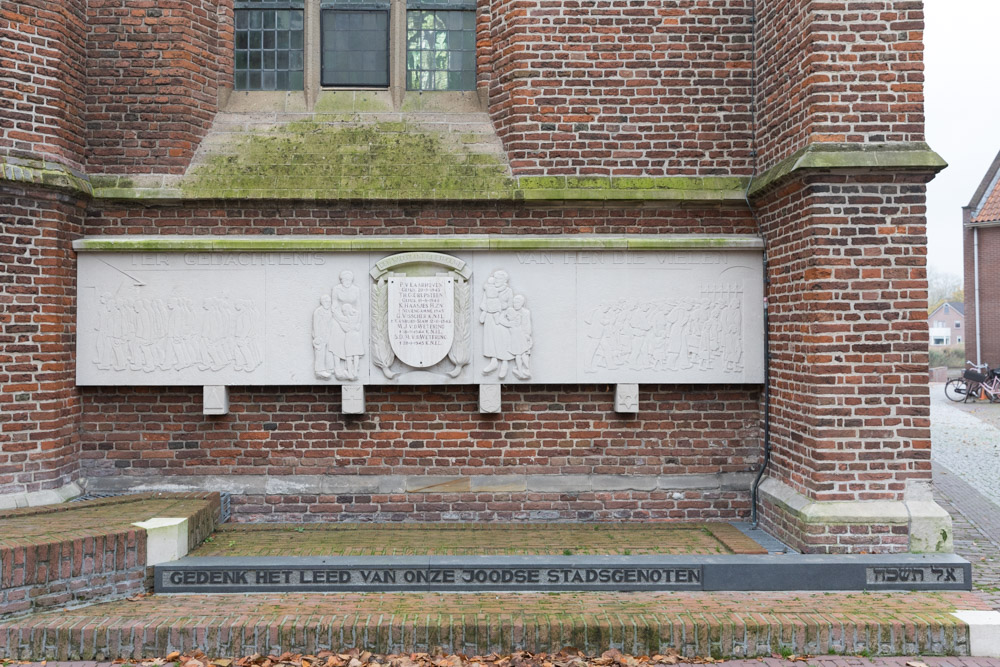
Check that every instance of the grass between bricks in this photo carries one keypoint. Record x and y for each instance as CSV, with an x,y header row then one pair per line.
x,y
476,539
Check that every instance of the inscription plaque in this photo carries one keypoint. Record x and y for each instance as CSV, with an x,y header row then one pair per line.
x,y
566,573
421,318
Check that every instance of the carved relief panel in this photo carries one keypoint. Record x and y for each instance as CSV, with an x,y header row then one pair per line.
x,y
474,317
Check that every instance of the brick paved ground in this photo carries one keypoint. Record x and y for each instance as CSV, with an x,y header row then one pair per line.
x,y
819,661
983,410
60,523
480,539
726,624
976,524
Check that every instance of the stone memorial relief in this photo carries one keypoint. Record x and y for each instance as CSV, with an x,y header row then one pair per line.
x,y
668,333
420,316
474,317
337,340
173,334
507,339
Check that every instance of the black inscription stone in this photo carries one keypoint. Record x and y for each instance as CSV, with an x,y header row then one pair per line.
x,y
565,573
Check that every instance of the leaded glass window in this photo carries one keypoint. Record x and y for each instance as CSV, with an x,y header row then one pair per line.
x,y
269,41
440,45
355,45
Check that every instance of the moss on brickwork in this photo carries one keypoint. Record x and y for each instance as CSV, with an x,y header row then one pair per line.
x,y
383,160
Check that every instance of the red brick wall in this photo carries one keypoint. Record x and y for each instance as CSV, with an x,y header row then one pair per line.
x,y
153,75
431,431
989,296
841,71
39,406
279,431
848,309
622,88
42,78
389,219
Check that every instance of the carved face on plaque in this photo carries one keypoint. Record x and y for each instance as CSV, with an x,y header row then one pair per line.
x,y
421,318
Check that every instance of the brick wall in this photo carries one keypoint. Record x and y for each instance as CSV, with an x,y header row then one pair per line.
x,y
848,309
137,432
39,406
397,219
989,296
834,538
52,575
565,430
622,88
61,555
153,75
42,79
840,71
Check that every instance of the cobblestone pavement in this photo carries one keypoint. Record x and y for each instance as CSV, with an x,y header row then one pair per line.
x,y
965,443
984,410
966,456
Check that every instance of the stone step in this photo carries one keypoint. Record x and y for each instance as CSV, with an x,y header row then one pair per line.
x,y
695,624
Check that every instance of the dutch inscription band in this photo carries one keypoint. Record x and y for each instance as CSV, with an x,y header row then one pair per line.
x,y
332,578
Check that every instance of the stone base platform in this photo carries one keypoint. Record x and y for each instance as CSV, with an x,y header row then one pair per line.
x,y
485,539
695,624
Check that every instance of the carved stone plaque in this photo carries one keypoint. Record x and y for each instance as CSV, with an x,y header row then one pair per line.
x,y
421,318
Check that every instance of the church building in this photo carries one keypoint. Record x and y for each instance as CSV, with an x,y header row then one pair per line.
x,y
472,261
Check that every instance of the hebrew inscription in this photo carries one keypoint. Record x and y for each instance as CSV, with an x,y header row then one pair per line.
x,y
667,334
153,335
915,575
507,334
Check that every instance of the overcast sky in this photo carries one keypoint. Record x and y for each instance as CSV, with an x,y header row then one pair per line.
x,y
963,113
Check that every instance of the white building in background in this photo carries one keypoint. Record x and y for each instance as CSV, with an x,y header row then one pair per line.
x,y
947,324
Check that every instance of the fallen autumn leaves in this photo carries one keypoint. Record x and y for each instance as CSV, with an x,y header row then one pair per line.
x,y
567,657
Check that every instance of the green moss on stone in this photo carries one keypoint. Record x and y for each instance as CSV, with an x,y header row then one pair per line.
x,y
388,160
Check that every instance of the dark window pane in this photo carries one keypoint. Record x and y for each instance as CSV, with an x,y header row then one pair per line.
x,y
355,47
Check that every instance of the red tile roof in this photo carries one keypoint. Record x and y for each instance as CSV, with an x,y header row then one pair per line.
x,y
991,209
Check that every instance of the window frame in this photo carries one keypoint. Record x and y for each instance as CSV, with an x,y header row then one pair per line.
x,y
313,41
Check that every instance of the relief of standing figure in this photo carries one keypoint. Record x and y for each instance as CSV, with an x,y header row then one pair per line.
x,y
336,333
506,328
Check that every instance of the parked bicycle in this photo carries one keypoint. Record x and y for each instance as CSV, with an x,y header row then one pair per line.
x,y
977,383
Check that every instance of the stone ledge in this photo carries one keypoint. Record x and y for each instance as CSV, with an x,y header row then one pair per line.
x,y
367,484
270,243
44,173
916,156
721,190
35,498
928,524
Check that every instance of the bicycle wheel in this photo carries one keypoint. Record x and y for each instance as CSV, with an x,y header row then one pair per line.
x,y
957,389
